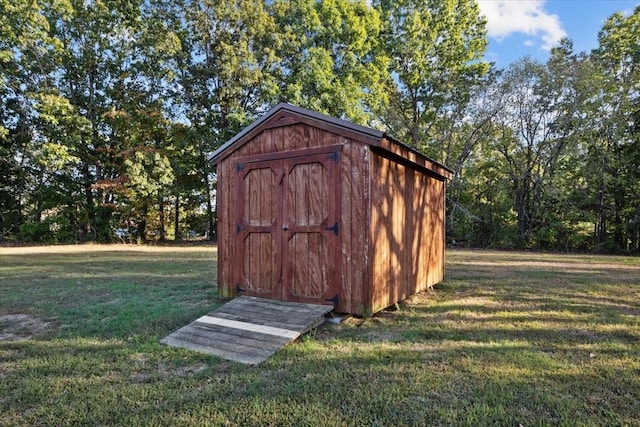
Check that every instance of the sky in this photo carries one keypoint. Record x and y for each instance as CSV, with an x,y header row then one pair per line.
x,y
517,28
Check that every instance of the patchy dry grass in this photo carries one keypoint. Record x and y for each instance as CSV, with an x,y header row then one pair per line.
x,y
507,339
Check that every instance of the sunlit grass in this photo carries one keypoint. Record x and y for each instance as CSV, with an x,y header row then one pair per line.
x,y
506,339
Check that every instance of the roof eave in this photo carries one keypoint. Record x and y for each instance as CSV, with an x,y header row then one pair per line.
x,y
228,147
372,136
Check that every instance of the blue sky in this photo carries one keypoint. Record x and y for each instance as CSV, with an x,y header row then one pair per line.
x,y
517,28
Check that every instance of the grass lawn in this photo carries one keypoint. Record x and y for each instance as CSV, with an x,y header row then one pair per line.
x,y
507,339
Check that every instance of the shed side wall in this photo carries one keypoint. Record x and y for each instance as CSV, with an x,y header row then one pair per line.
x,y
407,231
355,200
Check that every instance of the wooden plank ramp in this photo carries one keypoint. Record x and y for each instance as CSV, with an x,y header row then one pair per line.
x,y
248,329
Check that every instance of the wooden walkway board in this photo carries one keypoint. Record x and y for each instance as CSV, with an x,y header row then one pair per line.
x,y
248,329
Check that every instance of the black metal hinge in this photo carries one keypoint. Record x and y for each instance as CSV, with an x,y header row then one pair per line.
x,y
333,301
239,289
239,167
239,228
333,228
333,156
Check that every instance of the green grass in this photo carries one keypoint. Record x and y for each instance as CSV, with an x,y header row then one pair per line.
x,y
507,339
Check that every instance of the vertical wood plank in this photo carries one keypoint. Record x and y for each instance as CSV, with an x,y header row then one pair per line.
x,y
316,203
250,267
230,214
437,259
292,184
384,235
265,185
410,230
362,272
401,246
277,139
428,225
252,182
267,145
296,137
326,138
315,257
315,187
266,261
299,261
302,194
348,288
431,245
419,235
393,292
223,227
376,219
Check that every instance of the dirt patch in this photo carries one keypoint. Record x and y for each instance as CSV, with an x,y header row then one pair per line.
x,y
20,326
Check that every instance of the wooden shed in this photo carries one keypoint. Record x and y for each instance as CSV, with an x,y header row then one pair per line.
x,y
316,209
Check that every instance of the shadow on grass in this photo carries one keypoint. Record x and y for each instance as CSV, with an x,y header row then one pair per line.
x,y
487,347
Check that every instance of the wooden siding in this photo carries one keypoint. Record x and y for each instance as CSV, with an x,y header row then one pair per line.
x,y
386,199
356,207
407,231
404,154
355,203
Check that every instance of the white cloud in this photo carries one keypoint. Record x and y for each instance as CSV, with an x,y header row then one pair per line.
x,y
506,17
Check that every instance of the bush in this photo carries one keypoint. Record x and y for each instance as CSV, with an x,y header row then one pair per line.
x,y
52,230
34,232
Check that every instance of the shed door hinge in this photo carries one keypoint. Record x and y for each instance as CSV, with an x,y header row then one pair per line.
x,y
239,289
333,156
334,301
333,228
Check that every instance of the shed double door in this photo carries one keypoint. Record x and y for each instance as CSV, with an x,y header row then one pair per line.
x,y
288,226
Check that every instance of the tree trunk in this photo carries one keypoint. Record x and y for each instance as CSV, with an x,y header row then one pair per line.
x,y
89,200
161,214
142,224
177,235
212,230
522,196
600,229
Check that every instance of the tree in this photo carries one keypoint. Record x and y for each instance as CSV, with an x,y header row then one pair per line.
x,y
532,136
331,57
225,71
29,53
613,134
436,49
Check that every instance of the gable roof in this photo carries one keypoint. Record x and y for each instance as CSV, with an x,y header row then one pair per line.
x,y
285,114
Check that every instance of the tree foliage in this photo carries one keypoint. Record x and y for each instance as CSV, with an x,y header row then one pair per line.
x,y
436,49
109,109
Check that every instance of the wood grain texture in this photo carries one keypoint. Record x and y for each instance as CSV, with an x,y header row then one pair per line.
x,y
407,231
359,195
389,210
225,248
347,286
247,329
310,252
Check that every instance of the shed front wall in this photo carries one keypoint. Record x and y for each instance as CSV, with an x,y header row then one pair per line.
x,y
407,231
353,211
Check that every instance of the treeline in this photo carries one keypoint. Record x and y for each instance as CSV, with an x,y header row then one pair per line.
x,y
108,110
